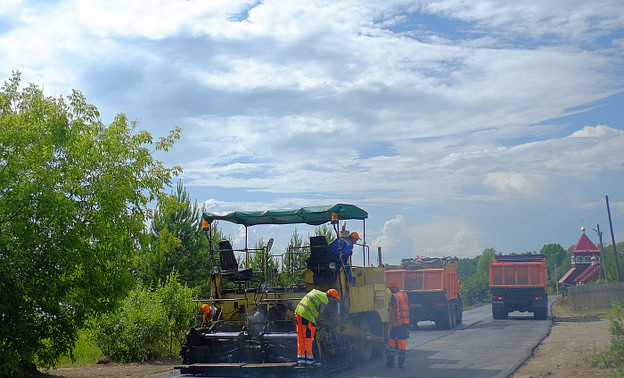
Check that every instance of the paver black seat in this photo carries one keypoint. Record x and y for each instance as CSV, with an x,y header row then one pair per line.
x,y
229,265
320,255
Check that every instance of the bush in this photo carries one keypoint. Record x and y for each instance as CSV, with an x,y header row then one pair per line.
x,y
476,289
175,300
614,357
146,324
136,332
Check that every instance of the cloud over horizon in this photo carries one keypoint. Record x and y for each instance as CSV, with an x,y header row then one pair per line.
x,y
458,126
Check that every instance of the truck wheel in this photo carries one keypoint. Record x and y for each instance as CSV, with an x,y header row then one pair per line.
x,y
540,313
443,320
498,312
453,313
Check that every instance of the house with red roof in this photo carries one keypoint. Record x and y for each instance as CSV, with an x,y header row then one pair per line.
x,y
585,260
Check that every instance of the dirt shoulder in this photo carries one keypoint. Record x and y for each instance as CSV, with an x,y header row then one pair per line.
x,y
569,349
164,367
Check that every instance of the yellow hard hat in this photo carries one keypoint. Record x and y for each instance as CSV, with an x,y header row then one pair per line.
x,y
333,293
355,235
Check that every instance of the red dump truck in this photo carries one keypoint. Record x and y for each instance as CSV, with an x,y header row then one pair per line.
x,y
518,283
432,289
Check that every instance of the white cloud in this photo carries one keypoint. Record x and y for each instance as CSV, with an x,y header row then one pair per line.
x,y
439,237
510,181
287,103
574,19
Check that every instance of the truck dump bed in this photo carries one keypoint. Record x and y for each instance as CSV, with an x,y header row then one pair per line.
x,y
426,275
432,288
522,271
518,283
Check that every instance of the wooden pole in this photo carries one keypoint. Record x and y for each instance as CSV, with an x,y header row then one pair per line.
x,y
617,265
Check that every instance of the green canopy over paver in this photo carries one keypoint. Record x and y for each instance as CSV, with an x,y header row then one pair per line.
x,y
312,215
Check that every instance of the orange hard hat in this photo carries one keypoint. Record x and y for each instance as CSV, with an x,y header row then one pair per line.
x,y
333,293
206,308
393,284
355,235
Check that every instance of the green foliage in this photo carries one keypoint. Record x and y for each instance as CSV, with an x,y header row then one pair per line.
x,y
146,324
73,197
610,259
136,332
175,301
176,241
325,230
85,352
614,357
466,267
476,288
557,262
264,266
295,258
483,261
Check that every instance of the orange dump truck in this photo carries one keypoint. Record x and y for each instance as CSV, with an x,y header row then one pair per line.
x,y
432,289
518,283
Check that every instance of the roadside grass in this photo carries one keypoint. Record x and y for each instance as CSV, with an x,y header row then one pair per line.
x,y
614,356
564,304
85,353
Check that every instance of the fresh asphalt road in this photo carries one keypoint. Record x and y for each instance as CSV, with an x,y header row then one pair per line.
x,y
480,347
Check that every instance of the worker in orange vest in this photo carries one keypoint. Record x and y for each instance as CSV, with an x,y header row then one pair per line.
x,y
208,312
399,326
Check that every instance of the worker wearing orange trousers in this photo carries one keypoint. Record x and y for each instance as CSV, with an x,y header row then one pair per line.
x,y
399,326
306,313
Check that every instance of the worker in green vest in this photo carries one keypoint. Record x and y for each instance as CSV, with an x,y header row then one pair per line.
x,y
306,313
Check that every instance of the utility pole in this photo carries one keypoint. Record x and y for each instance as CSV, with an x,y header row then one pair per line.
x,y
617,265
603,257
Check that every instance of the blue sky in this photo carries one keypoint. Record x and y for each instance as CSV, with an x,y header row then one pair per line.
x,y
457,125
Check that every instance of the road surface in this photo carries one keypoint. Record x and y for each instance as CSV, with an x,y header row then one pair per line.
x,y
480,347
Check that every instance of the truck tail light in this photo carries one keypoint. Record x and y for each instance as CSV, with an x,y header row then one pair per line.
x,y
537,298
500,298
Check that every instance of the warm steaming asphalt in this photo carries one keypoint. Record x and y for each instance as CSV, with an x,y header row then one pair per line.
x,y
480,347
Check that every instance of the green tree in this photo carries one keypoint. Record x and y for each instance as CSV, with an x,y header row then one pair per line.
x,y
610,261
263,265
557,262
73,198
297,252
175,241
476,288
466,267
483,262
174,298
325,230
